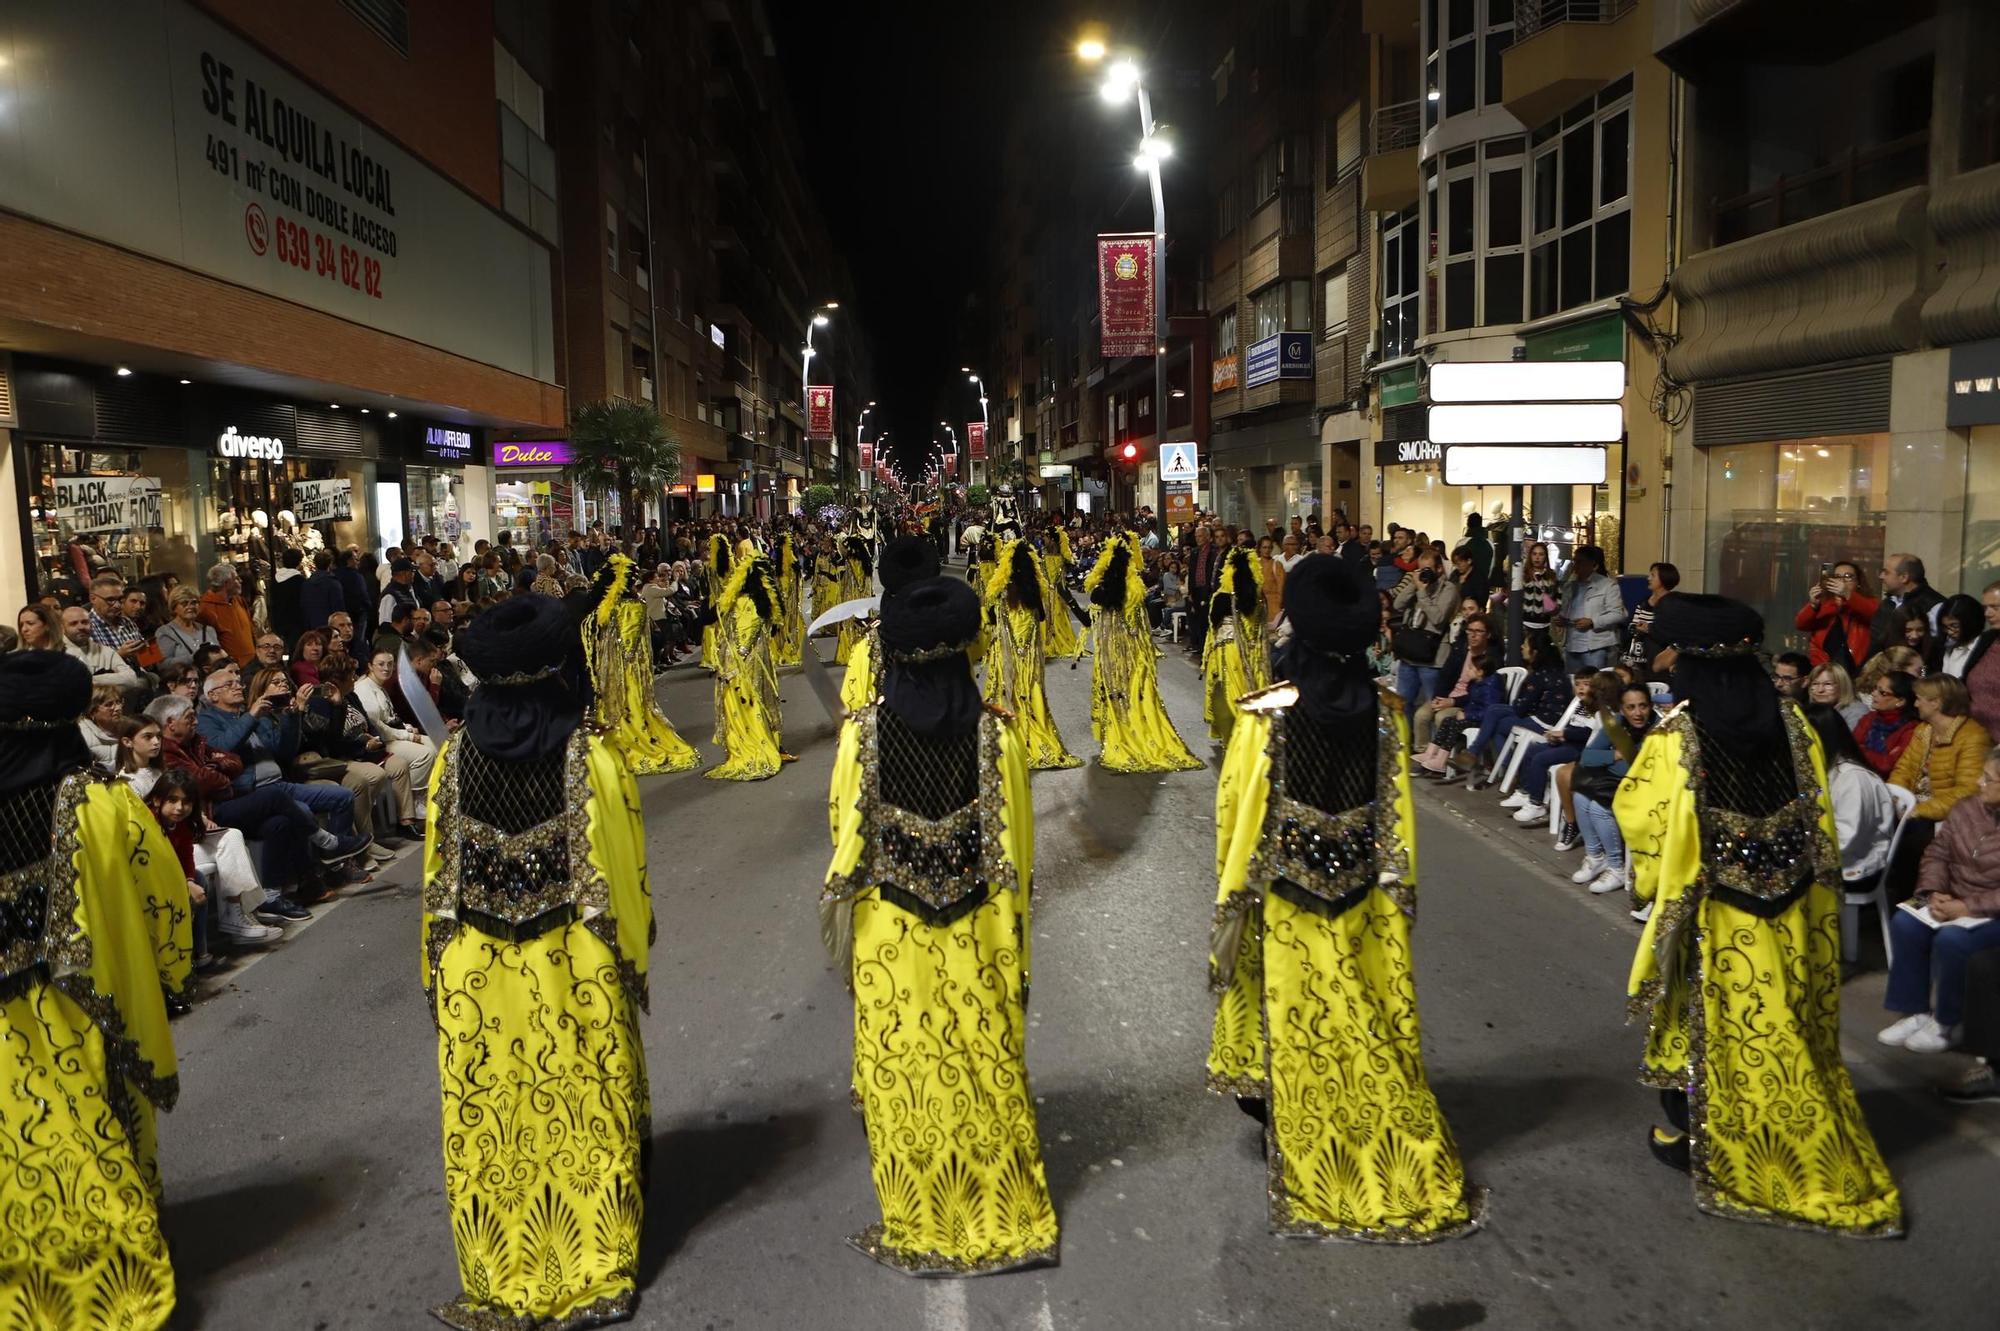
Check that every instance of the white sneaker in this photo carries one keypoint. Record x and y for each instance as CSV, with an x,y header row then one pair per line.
x,y
1611,880
1593,865
1531,813
236,925
1902,1030
1515,800
1931,1038
1644,913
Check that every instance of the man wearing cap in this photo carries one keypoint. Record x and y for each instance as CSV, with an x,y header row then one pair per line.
x,y
400,590
88,1058
1316,1031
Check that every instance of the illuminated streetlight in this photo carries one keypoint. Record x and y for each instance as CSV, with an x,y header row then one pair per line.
x,y
1090,50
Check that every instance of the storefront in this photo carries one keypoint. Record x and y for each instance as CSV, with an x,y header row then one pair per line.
x,y
1272,469
532,503
435,493
1972,404
145,474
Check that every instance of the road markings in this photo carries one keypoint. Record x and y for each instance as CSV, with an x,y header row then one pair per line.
x,y
944,1306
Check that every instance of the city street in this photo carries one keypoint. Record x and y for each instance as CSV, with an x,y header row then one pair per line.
x,y
302,1166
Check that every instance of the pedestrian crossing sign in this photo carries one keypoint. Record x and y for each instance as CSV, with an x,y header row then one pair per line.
x,y
1178,462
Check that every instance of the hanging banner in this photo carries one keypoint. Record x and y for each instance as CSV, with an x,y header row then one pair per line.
x,y
106,503
819,411
975,440
950,464
323,501
1125,294
867,456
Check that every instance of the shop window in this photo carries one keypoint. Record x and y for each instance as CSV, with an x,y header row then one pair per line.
x,y
1777,511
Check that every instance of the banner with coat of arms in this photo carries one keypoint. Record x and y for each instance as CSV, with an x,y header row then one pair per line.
x,y
1125,294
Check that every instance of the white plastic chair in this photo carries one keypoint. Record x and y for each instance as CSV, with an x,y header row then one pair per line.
x,y
1852,899
1514,749
1180,622
1515,676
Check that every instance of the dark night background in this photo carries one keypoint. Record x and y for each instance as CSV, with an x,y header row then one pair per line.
x,y
902,107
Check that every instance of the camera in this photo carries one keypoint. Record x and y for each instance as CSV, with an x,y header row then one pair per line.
x,y
1427,576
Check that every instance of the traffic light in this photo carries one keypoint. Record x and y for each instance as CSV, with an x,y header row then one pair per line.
x,y
1130,452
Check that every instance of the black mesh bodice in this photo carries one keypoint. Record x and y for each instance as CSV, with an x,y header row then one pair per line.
x,y
27,825
929,777
1331,767
1757,784
511,797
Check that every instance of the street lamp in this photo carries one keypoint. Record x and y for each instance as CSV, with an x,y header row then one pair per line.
x,y
1121,82
817,319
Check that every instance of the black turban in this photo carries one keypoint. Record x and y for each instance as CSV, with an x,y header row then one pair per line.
x,y
1713,625
1335,616
905,560
42,694
926,674
1717,674
523,708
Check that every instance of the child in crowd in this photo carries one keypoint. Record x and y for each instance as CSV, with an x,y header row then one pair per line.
x,y
175,802
1484,694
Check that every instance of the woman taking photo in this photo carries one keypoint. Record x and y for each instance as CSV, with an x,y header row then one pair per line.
x,y
1838,615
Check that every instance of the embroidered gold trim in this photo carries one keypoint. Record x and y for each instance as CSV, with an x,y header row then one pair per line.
x,y
469,1316
870,1244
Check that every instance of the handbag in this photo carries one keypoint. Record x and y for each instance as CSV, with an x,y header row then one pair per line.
x,y
1414,644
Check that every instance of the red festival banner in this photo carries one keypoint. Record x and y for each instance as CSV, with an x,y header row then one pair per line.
x,y
1125,294
867,456
950,467
975,440
819,411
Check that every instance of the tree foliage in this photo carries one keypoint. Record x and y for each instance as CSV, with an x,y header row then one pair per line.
x,y
621,446
816,498
975,495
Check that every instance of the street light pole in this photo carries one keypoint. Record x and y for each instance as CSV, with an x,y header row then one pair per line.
x,y
1152,161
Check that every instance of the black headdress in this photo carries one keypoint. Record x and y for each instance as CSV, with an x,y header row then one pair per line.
x,y
926,674
42,696
907,560
1334,619
523,708
1716,671
1110,589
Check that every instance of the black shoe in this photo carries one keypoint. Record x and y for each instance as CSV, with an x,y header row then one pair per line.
x,y
1254,1107
343,848
280,911
1671,1151
1979,1086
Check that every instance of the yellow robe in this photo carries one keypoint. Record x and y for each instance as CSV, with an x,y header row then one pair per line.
x,y
1014,682
540,1061
862,684
1233,663
748,721
618,649
788,642
1127,715
1742,1011
1317,1015
85,1059
939,1027
855,583
1063,638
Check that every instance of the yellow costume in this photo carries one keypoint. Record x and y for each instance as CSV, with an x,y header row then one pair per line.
x,y
1127,715
1738,978
1237,658
857,579
718,578
536,925
618,648
748,721
927,917
95,924
1014,663
825,582
1310,957
788,642
1063,639
862,683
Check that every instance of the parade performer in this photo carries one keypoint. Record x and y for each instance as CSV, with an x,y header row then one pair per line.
x,y
748,720
717,572
94,926
1730,827
618,654
925,911
536,923
789,642
1057,559
1006,514
1237,658
825,573
1127,715
1018,601
857,579
905,561
1316,1029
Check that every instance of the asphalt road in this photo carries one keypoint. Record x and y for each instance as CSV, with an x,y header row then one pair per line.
x,y
304,1182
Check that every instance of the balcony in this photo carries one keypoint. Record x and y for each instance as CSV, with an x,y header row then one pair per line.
x,y
1565,50
1863,174
1389,172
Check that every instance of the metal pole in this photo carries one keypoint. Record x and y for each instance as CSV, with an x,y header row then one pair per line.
x,y
1159,495
1518,548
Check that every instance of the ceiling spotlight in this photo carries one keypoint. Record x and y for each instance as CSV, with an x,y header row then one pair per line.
x,y
364,411
124,372
392,415
186,382
333,406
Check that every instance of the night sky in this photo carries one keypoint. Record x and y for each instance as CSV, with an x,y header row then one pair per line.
x,y
901,106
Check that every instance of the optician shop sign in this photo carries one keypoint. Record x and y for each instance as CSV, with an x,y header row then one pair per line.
x,y
546,453
446,444
150,126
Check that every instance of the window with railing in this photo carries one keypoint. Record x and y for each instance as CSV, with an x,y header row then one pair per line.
x,y
1397,127
1580,207
1533,16
1463,43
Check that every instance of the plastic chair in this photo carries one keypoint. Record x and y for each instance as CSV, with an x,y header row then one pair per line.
x,y
1663,692
1179,622
1853,899
1514,749
1515,676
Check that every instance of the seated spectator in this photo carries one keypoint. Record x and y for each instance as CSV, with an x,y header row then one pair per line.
x,y
209,660
1486,692
218,854
1788,675
1557,747
270,649
1886,731
1894,657
1960,622
182,637
1913,630
100,722
39,629
396,631
307,655
106,665
1838,615
179,679
1864,814
1982,665
1382,653
1605,760
1959,880
337,728
1544,695
1943,760
340,634
263,735
173,807
110,627
1469,637
1830,685
398,736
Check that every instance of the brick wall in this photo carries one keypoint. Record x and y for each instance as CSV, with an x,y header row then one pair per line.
x,y
89,292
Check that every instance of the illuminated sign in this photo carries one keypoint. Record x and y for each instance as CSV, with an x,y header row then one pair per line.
x,y
547,453
447,445
233,444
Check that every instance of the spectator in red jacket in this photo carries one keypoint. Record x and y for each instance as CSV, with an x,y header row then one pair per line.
x,y
1891,721
1838,616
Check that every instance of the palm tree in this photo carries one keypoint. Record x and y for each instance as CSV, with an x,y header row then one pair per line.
x,y
621,446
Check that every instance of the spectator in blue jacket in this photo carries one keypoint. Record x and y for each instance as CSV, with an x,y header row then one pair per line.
x,y
322,597
1606,759
1542,698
